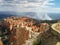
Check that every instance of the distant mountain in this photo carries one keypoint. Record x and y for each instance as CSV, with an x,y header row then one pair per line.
x,y
39,16
6,14
34,15
54,16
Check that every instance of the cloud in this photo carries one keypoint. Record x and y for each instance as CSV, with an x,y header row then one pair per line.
x,y
25,2
28,5
54,10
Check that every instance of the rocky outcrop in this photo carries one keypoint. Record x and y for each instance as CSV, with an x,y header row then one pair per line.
x,y
26,31
23,30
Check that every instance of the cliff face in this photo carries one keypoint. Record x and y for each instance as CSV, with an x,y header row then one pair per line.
x,y
23,22
22,29
19,30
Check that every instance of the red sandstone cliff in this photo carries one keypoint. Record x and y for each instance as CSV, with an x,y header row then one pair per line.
x,y
21,28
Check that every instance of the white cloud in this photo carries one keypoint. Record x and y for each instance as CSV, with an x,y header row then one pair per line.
x,y
0,0
34,6
54,10
28,6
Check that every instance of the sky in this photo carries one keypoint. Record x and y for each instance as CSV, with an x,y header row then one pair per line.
x,y
50,6
57,3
